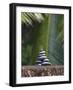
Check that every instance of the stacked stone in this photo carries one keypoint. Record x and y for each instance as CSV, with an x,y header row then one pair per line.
x,y
42,58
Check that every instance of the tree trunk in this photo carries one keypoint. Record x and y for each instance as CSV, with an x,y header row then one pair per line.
x,y
41,38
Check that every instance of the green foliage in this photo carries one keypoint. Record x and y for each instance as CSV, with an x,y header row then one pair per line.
x,y
56,50
26,55
28,18
42,31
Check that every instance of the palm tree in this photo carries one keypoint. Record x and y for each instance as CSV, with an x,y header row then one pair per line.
x,y
47,35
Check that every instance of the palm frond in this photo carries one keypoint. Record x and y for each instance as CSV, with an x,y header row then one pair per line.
x,y
27,18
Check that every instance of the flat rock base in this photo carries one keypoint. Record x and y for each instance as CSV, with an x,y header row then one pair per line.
x,y
34,71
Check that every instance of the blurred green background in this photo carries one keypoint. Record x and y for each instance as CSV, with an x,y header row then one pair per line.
x,y
42,30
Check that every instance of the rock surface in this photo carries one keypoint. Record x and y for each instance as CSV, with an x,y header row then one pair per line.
x,y
34,71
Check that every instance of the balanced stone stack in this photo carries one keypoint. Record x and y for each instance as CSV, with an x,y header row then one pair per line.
x,y
42,58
